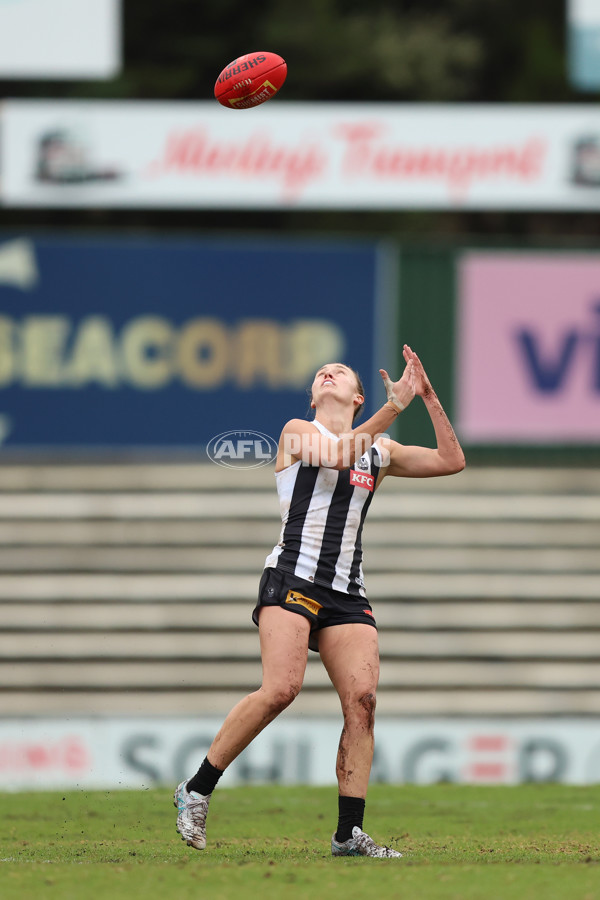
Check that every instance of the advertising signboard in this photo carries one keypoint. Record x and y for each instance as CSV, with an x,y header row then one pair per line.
x,y
529,348
60,39
143,752
583,20
122,154
167,343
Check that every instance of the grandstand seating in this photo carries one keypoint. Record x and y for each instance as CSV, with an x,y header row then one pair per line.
x,y
126,588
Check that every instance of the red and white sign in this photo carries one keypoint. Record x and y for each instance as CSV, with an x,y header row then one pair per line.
x,y
302,155
529,348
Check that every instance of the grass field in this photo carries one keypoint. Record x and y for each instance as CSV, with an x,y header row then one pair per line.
x,y
535,842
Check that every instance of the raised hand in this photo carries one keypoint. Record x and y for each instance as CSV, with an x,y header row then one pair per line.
x,y
400,393
422,383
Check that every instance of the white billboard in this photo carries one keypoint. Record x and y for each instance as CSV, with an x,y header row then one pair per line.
x,y
141,752
300,155
60,38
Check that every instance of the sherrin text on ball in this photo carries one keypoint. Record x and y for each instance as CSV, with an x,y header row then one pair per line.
x,y
250,80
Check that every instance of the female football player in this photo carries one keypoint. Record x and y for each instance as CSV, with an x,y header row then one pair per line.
x,y
312,593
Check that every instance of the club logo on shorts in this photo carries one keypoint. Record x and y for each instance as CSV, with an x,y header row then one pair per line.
x,y
361,479
300,600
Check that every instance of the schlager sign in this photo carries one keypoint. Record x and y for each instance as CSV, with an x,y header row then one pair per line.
x,y
112,753
296,155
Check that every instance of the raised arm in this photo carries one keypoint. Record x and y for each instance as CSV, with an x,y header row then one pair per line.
x,y
424,462
301,440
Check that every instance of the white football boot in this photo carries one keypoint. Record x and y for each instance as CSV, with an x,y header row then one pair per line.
x,y
360,844
192,809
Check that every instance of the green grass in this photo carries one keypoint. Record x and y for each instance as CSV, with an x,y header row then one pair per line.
x,y
534,842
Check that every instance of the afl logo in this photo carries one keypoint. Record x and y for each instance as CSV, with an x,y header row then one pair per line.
x,y
242,449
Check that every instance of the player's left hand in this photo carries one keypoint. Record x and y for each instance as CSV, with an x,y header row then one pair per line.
x,y
402,392
421,381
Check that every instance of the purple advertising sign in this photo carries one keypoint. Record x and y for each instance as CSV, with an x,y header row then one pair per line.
x,y
529,348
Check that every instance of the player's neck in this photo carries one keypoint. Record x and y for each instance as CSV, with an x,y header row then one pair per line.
x,y
336,421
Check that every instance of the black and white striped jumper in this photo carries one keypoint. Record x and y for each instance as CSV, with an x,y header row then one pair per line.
x,y
322,513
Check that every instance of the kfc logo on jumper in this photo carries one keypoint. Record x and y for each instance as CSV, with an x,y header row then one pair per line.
x,y
361,479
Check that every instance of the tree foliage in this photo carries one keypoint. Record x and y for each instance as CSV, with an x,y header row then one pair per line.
x,y
442,50
490,51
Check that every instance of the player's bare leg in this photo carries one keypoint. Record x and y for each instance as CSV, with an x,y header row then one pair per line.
x,y
284,649
350,654
284,652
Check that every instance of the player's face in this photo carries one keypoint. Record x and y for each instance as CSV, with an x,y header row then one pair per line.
x,y
338,379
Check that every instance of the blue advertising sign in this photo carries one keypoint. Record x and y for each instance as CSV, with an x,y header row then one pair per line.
x,y
167,343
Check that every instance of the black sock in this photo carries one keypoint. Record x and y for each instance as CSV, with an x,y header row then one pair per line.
x,y
351,813
205,779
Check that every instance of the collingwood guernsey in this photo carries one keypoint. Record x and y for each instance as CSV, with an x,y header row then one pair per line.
x,y
322,514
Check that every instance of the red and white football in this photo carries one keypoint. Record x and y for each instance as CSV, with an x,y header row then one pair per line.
x,y
250,80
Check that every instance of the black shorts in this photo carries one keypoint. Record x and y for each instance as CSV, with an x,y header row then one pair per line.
x,y
320,605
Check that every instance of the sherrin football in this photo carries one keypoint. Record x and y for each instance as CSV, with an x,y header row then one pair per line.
x,y
250,80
